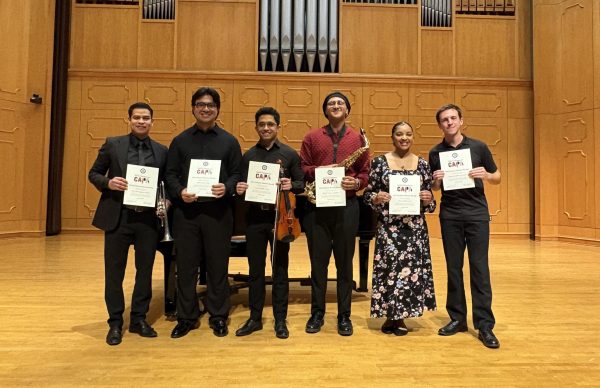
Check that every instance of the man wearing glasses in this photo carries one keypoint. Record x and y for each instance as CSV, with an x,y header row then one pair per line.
x,y
333,228
203,224
260,219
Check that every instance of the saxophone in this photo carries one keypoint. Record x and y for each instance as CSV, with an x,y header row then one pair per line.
x,y
309,188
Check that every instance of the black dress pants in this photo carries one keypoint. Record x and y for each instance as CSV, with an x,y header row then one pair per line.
x,y
259,233
475,236
141,230
203,229
332,229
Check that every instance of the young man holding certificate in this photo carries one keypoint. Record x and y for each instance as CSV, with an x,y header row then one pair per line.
x,y
203,169
460,165
331,224
127,171
262,165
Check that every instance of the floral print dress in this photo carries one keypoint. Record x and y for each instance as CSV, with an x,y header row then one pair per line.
x,y
402,272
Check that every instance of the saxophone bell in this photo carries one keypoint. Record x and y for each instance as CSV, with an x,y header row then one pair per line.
x,y
310,187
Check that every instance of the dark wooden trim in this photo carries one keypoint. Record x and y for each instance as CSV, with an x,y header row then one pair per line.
x,y
60,75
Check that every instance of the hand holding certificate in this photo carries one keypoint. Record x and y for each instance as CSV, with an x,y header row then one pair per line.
x,y
404,190
328,186
142,182
262,182
456,166
202,176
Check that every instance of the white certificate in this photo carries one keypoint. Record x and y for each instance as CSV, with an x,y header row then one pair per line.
x,y
456,166
202,176
262,182
404,190
142,182
328,186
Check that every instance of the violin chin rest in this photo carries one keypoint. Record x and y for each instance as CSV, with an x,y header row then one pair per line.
x,y
287,239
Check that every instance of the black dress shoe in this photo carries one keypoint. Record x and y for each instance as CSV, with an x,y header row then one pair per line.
x,y
453,327
184,327
314,324
142,328
489,339
249,327
281,330
345,326
400,328
219,327
114,336
388,326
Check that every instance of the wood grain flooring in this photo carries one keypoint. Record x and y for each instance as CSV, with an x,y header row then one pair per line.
x,y
546,302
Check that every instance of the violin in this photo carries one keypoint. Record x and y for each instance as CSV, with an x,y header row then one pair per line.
x,y
287,226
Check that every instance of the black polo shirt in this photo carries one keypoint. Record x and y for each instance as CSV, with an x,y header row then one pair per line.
x,y
465,204
281,154
214,144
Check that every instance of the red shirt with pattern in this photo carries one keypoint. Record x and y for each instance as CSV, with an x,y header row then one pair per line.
x,y
317,150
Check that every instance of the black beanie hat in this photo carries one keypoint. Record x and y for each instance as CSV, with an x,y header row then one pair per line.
x,y
335,94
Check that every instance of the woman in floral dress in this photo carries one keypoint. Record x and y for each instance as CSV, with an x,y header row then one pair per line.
x,y
402,273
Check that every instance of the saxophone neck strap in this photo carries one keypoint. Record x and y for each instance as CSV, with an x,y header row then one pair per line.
x,y
335,139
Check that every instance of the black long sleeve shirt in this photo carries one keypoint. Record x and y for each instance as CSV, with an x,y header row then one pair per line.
x,y
279,153
193,143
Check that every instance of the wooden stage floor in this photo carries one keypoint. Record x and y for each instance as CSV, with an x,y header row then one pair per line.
x,y
546,302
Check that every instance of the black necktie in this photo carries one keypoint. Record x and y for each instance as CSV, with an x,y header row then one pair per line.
x,y
141,158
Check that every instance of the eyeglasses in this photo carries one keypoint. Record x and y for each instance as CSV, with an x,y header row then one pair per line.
x,y
266,124
338,102
202,105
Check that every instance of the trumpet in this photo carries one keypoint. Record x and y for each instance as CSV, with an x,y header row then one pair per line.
x,y
161,207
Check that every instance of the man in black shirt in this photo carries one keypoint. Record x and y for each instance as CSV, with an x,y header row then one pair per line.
x,y
124,225
464,220
260,221
202,226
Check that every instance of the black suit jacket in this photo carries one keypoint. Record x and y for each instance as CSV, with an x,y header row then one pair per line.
x,y
112,162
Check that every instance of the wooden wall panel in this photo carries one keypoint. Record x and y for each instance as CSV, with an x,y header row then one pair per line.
x,y
437,51
14,30
156,44
576,181
26,49
298,97
295,125
523,42
368,48
111,94
71,171
425,100
12,161
227,39
576,56
376,106
104,37
566,128
518,175
482,102
385,99
497,47
163,95
485,47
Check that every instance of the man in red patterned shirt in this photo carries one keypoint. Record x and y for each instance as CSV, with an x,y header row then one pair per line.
x,y
333,228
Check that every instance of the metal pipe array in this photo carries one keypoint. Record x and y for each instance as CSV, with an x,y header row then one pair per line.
x,y
159,9
304,29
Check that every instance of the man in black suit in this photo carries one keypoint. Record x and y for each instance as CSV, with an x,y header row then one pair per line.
x,y
125,225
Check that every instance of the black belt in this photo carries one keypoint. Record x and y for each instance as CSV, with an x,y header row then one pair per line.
x,y
138,209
